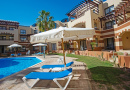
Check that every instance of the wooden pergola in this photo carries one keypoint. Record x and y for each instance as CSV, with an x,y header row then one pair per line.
x,y
118,13
82,7
121,10
11,23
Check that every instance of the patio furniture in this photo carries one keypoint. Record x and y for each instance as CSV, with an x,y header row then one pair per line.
x,y
39,53
19,54
49,76
28,52
50,67
62,34
12,55
61,59
56,69
41,44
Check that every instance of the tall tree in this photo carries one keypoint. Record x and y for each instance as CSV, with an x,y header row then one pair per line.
x,y
44,21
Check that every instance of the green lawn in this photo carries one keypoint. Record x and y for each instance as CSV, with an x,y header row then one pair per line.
x,y
102,72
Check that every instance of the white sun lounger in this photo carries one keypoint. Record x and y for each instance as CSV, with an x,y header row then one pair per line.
x,y
50,76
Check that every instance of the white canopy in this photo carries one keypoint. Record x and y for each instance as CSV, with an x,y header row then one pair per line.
x,y
62,32
40,44
14,45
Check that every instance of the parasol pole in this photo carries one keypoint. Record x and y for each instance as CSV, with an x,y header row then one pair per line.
x,y
63,51
40,49
15,50
44,51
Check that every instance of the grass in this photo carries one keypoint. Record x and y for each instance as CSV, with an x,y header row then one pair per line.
x,y
102,72
120,53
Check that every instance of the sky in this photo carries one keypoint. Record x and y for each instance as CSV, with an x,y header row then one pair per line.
x,y
26,11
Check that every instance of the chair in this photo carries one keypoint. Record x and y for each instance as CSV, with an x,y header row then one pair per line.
x,y
28,52
19,54
12,55
56,66
39,53
61,59
49,76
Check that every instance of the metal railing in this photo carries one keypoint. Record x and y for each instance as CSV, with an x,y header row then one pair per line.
x,y
24,41
7,39
110,27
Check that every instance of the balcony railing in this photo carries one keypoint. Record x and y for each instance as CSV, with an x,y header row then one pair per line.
x,y
24,41
110,13
110,27
96,28
128,19
7,39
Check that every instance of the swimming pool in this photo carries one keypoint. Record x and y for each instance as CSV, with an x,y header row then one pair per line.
x,y
10,66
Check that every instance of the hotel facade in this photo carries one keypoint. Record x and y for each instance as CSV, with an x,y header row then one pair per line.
x,y
111,20
11,32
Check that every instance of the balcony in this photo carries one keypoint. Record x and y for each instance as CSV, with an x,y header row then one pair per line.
x,y
24,41
6,39
6,42
96,28
107,28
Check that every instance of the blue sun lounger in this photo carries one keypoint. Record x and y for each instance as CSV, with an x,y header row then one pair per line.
x,y
50,76
56,66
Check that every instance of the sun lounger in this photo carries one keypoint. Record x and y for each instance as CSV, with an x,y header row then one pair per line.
x,y
12,55
19,54
39,53
56,66
50,76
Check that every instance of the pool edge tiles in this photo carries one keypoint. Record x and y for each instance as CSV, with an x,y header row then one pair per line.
x,y
16,72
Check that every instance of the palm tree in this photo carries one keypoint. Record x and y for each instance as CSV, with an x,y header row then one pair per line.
x,y
44,21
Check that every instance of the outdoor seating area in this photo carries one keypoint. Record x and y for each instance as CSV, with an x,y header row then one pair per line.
x,y
79,73
87,50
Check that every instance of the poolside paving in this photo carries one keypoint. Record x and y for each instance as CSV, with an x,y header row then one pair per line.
x,y
79,81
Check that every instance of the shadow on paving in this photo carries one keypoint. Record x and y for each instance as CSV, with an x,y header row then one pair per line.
x,y
80,83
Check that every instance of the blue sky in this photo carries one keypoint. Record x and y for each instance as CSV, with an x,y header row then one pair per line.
x,y
26,11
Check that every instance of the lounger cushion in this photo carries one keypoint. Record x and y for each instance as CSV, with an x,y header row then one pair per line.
x,y
53,66
48,75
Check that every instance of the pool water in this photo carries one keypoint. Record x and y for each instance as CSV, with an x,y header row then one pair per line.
x,y
10,66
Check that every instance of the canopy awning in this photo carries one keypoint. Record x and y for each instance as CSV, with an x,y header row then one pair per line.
x,y
40,44
62,32
14,45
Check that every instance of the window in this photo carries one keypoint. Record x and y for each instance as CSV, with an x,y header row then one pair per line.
x,y
11,37
34,49
53,46
83,45
110,24
35,31
96,39
23,39
11,28
109,10
23,48
2,28
2,37
22,31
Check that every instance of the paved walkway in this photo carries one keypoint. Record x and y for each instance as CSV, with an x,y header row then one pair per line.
x,y
79,81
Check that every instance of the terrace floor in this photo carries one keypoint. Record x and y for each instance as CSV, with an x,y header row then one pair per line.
x,y
80,80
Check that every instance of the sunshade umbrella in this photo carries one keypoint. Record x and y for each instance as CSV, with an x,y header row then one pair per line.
x,y
40,44
62,34
14,46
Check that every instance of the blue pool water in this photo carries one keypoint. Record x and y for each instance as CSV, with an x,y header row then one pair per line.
x,y
10,66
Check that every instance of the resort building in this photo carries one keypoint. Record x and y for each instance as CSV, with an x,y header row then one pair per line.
x,y
111,20
11,32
